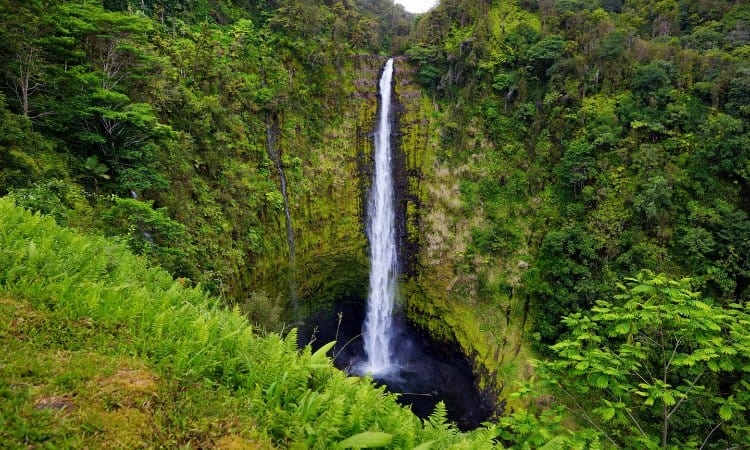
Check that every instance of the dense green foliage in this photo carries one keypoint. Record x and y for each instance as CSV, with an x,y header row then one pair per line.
x,y
658,366
172,104
556,148
594,139
607,137
186,336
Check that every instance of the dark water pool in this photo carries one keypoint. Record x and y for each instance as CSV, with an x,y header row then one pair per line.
x,y
428,373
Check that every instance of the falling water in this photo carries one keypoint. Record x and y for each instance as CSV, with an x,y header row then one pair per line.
x,y
395,354
382,234
275,157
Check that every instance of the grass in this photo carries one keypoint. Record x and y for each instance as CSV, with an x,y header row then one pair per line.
x,y
101,350
74,385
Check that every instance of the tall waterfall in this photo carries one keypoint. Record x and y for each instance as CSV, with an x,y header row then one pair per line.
x,y
381,231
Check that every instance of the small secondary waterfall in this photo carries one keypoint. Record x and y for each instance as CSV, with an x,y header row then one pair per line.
x,y
381,231
276,159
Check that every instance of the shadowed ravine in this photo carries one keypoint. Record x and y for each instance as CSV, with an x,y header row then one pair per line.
x,y
427,373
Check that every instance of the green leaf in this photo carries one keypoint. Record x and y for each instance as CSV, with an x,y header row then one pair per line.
x,y
368,439
321,352
558,442
601,381
668,398
725,412
622,328
606,412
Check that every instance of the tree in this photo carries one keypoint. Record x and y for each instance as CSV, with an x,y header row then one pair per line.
x,y
18,146
658,366
667,19
24,64
577,166
24,75
127,135
653,79
653,201
149,231
715,243
94,170
739,92
724,149
601,126
565,279
543,54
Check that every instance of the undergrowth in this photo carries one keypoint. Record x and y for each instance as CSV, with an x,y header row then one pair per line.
x,y
95,297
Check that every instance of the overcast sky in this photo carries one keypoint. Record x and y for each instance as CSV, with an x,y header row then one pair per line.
x,y
417,6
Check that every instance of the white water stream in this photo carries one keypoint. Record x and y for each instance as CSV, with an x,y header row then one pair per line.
x,y
381,231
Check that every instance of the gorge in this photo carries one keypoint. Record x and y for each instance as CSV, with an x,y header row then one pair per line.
x,y
388,348
193,191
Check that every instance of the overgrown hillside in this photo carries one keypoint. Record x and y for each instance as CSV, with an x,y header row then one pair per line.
x,y
596,139
173,124
99,349
578,143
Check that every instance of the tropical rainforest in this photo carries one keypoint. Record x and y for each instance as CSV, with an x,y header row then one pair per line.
x,y
183,182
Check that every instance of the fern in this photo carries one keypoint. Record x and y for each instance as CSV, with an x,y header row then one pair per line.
x,y
439,417
296,397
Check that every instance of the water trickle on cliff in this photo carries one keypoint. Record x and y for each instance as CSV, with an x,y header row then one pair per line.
x,y
381,231
275,157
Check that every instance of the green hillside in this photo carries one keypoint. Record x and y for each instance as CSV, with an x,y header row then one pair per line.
x,y
99,349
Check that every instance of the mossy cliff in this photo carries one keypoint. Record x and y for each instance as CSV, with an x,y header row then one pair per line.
x,y
454,295
447,291
328,175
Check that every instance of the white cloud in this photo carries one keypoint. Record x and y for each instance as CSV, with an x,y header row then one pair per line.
x,y
417,6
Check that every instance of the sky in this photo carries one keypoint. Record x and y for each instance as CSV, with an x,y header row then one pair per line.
x,y
417,6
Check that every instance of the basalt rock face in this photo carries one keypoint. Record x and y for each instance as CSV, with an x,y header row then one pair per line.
x,y
416,166
329,179
407,152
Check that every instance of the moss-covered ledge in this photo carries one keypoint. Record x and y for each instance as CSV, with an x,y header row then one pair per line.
x,y
492,344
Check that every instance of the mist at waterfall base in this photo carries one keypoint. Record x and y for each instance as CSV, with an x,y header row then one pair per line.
x,y
425,372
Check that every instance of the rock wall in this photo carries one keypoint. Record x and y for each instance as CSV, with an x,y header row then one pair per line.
x,y
440,291
329,178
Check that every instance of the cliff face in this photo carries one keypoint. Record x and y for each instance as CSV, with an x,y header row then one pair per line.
x,y
329,177
442,285
442,289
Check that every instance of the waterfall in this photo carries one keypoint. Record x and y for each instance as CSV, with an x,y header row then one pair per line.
x,y
276,159
381,231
